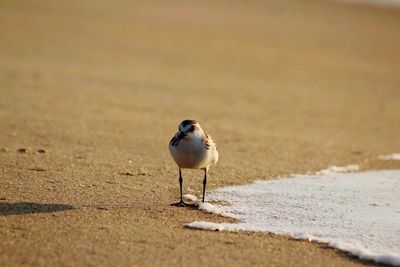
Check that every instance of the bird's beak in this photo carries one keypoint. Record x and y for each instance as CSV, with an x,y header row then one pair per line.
x,y
181,135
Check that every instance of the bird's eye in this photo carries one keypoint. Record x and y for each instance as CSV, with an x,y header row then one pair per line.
x,y
191,129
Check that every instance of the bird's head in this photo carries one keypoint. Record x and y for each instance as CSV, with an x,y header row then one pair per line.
x,y
189,127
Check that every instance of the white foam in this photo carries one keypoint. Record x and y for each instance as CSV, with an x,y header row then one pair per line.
x,y
210,208
392,3
342,169
189,198
394,156
354,212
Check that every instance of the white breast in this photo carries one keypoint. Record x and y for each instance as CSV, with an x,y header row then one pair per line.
x,y
191,153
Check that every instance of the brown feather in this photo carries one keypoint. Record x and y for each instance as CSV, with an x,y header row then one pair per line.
x,y
206,141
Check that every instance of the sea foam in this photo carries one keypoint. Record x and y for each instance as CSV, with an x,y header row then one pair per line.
x,y
389,3
355,212
395,156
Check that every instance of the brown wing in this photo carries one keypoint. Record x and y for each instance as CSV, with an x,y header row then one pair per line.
x,y
208,141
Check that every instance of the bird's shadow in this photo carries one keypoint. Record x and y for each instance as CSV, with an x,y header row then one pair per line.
x,y
19,208
193,206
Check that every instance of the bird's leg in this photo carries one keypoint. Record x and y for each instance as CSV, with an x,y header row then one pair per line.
x,y
204,184
180,203
180,185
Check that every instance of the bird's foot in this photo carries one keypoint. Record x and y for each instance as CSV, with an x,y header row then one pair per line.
x,y
179,204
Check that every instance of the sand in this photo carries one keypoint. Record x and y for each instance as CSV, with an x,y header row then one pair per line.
x,y
91,93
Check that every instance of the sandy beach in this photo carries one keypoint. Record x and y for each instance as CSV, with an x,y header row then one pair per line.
x,y
92,92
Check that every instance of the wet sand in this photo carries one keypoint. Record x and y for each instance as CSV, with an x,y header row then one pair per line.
x,y
92,92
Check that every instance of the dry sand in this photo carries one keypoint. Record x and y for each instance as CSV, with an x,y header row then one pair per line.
x,y
99,88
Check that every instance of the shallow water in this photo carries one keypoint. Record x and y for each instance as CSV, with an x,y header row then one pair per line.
x,y
355,212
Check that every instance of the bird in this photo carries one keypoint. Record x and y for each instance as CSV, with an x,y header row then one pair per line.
x,y
193,148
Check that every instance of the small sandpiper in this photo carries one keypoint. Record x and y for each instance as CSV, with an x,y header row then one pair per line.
x,y
193,148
